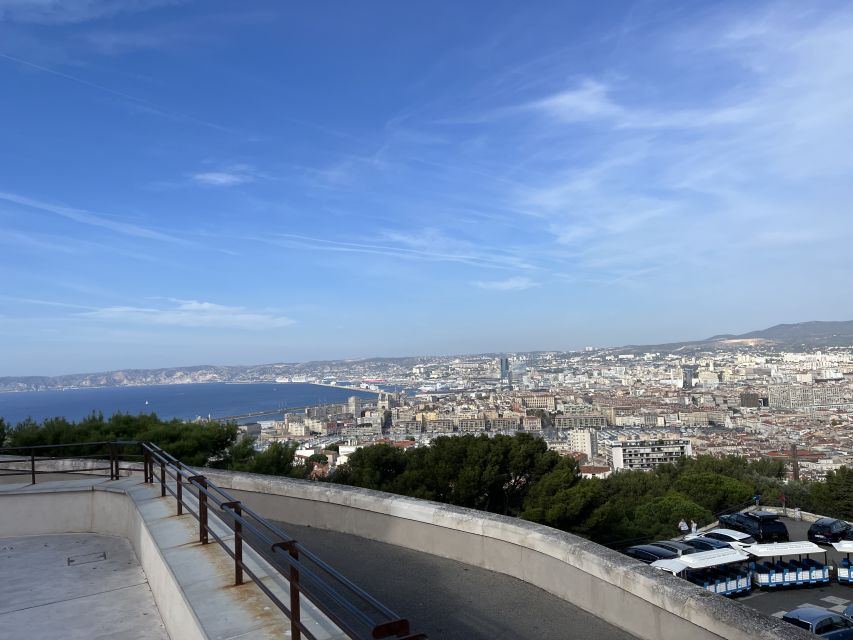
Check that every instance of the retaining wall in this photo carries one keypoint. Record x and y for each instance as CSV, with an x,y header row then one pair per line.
x,y
639,599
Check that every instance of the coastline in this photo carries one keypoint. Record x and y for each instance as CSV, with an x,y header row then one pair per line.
x,y
180,400
188,382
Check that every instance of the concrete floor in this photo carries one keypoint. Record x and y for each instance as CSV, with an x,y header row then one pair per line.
x,y
450,600
75,586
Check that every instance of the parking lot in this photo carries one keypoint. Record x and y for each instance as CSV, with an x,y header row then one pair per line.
x,y
778,601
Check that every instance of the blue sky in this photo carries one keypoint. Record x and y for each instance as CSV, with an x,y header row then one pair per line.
x,y
223,183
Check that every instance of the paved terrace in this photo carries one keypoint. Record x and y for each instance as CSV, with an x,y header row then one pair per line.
x,y
443,598
75,586
97,586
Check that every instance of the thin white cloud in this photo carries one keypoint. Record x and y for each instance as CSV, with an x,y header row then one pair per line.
x,y
588,101
88,218
765,150
395,248
591,101
193,314
72,11
510,284
140,104
221,178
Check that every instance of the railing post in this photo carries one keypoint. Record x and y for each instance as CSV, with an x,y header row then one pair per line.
x,y
162,478
295,632
238,540
114,462
33,465
180,493
293,579
146,461
202,508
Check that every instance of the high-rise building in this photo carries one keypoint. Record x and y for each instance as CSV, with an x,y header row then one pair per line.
x,y
688,372
506,374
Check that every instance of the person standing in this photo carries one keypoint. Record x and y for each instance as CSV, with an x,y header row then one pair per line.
x,y
692,525
682,526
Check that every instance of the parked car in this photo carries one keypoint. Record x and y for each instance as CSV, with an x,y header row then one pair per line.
x,y
649,553
764,526
703,543
679,548
827,530
822,622
736,539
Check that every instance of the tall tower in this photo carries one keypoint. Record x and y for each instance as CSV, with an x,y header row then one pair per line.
x,y
506,374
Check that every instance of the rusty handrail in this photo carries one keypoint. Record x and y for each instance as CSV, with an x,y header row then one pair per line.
x,y
352,609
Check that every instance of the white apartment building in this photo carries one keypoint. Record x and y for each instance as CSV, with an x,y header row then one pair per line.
x,y
578,421
583,441
545,401
471,425
531,423
789,396
504,424
646,453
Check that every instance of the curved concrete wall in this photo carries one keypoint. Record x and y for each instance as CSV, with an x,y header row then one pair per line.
x,y
643,601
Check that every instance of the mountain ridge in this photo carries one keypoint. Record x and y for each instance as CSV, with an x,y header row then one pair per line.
x,y
810,334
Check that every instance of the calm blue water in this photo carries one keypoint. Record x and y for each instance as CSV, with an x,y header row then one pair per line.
x,y
184,401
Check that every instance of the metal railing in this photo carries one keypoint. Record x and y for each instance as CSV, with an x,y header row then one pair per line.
x,y
38,454
354,611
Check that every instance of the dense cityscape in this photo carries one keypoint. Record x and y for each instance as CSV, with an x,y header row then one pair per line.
x,y
609,410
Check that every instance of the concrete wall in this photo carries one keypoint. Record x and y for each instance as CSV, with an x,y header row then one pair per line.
x,y
109,513
643,601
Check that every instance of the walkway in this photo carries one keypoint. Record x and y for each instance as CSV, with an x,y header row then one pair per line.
x,y
451,600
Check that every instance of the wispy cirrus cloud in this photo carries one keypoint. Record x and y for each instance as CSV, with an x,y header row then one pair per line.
x,y
639,164
221,178
406,246
193,314
517,283
228,176
92,219
73,11
140,104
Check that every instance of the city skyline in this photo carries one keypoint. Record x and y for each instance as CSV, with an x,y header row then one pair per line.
x,y
188,183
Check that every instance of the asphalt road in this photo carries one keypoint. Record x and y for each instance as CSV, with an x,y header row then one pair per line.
x,y
448,599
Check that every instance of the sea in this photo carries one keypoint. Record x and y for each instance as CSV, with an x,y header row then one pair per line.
x,y
184,401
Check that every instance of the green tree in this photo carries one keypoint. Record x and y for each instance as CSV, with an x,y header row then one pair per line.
x,y
659,517
834,496
278,459
372,467
712,491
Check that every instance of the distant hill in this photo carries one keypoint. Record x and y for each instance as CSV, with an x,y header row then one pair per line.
x,y
809,335
812,335
815,332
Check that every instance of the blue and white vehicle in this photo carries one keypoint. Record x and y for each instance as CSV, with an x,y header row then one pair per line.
x,y
722,571
843,570
786,564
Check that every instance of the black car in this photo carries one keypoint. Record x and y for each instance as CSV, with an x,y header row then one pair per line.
x,y
764,526
679,548
707,544
828,530
649,553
